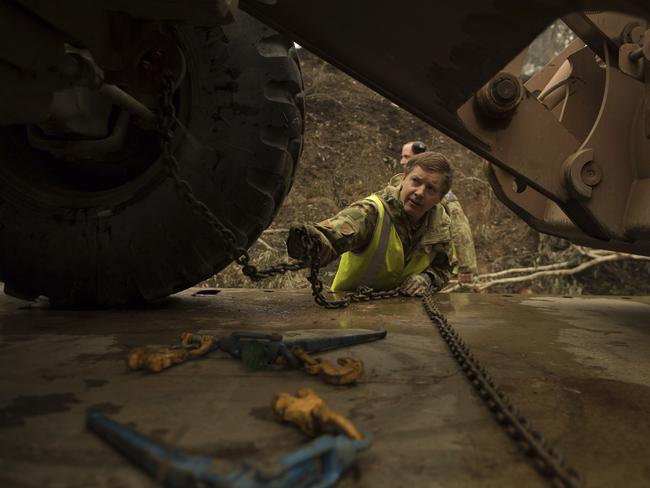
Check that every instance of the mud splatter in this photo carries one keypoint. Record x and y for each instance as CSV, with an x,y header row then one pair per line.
x,y
90,383
105,408
35,406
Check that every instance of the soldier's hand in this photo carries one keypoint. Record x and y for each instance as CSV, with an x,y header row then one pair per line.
x,y
298,241
416,285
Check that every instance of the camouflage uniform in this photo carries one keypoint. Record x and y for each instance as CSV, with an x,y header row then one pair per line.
x,y
464,253
461,234
353,227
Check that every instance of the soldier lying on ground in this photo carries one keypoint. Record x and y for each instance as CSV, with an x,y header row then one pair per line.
x,y
463,252
397,237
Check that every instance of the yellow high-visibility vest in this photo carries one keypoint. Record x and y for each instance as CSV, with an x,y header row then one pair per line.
x,y
381,264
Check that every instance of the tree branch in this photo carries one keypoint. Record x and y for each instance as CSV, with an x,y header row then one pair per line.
x,y
555,269
545,267
266,244
563,272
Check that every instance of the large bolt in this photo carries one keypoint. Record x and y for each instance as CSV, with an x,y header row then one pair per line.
x,y
582,174
499,98
505,90
591,174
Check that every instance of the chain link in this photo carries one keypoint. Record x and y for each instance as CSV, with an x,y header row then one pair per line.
x,y
167,120
547,460
361,294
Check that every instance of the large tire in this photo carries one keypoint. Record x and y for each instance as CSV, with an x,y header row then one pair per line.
x,y
140,240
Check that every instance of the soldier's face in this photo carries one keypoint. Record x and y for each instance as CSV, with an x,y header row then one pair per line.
x,y
421,191
407,153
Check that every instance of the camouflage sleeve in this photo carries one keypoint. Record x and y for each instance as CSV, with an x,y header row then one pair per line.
x,y
439,269
461,233
349,230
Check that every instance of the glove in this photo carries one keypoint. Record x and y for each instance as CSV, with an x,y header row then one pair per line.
x,y
297,242
416,285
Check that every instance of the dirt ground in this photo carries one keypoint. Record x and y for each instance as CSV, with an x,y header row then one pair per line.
x,y
353,139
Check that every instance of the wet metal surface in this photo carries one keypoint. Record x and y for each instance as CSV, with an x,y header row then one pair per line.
x,y
579,368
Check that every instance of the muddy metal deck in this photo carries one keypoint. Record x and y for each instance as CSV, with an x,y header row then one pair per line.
x,y
579,368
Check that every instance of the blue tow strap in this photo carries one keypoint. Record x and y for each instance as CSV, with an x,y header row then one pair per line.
x,y
319,464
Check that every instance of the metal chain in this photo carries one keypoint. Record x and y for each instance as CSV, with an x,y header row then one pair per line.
x,y
167,119
361,294
546,459
237,253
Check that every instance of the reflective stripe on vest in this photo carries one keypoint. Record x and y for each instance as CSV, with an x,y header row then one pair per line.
x,y
381,265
